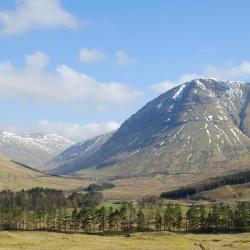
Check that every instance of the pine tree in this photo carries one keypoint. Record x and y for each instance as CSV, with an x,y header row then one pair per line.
x,y
169,220
140,220
178,216
123,215
193,218
65,220
74,220
158,220
202,219
102,219
132,214
111,219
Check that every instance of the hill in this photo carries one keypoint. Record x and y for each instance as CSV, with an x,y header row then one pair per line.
x,y
228,186
32,149
200,127
239,192
16,176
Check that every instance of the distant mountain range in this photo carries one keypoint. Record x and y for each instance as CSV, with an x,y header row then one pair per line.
x,y
34,150
202,126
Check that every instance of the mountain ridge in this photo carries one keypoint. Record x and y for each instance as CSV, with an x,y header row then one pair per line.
x,y
34,149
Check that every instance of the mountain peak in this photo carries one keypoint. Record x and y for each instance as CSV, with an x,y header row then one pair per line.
x,y
203,123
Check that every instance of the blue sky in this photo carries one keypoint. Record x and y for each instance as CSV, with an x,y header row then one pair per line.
x,y
80,68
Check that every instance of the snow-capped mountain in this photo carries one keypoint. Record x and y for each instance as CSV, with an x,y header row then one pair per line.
x,y
34,149
78,152
200,126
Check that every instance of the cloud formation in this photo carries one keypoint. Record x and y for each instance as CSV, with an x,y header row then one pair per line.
x,y
30,14
229,72
77,132
63,85
122,58
91,55
240,72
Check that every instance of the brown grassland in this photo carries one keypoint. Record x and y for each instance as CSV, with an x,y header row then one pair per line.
x,y
16,177
137,241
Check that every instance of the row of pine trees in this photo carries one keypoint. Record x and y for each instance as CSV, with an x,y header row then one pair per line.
x,y
129,218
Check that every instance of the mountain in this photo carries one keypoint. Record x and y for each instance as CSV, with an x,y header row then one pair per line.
x,y
202,126
32,149
15,176
78,152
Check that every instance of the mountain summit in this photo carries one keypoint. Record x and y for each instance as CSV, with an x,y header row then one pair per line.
x,y
199,126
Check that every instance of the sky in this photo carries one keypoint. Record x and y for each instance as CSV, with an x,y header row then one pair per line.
x,y
81,68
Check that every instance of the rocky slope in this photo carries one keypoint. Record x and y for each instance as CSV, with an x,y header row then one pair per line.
x,y
34,149
201,126
78,152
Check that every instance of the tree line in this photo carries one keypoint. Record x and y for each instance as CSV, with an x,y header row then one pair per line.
x,y
46,199
129,217
99,186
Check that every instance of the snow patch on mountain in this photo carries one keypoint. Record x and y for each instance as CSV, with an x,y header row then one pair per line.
x,y
178,94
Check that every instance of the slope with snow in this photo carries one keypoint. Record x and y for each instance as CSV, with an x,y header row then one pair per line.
x,y
78,152
200,126
34,149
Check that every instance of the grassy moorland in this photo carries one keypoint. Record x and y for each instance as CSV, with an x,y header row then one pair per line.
x,y
137,241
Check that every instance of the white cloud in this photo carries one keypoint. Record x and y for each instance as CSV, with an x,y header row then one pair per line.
x,y
91,55
122,58
239,72
229,72
33,14
64,85
37,60
166,85
77,132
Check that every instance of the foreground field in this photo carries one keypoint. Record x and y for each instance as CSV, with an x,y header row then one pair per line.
x,y
138,241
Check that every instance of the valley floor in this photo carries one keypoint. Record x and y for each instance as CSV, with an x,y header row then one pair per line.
x,y
138,241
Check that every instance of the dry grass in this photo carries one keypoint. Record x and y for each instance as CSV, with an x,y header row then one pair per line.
x,y
138,241
17,177
135,188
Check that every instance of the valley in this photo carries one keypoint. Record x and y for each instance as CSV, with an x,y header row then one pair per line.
x,y
125,125
177,167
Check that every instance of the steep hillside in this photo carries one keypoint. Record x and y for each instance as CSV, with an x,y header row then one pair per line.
x,y
239,192
78,152
15,176
198,127
33,149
